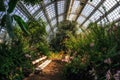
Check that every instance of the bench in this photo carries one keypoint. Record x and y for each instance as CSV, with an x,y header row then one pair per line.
x,y
40,64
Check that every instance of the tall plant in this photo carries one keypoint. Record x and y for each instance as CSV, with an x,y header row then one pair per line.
x,y
38,36
99,50
7,19
64,31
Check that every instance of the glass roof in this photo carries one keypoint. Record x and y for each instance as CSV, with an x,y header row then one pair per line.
x,y
32,9
87,10
96,16
58,10
51,11
80,19
60,7
60,18
17,12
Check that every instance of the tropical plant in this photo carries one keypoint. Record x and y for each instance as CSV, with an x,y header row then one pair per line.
x,y
100,44
16,56
65,29
7,19
78,69
13,61
38,36
37,30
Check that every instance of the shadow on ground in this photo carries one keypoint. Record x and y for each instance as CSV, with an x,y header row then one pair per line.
x,y
52,72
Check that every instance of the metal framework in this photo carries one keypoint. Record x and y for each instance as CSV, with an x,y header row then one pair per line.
x,y
46,15
81,11
67,4
23,9
95,9
82,5
108,12
56,11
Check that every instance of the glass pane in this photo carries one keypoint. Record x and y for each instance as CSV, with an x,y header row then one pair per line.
x,y
86,24
87,10
46,1
60,18
94,2
114,15
71,17
80,19
108,4
41,15
32,9
47,28
51,10
75,7
95,16
17,12
54,22
61,6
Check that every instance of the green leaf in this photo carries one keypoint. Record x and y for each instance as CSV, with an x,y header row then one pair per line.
x,y
2,7
9,25
12,5
3,20
21,23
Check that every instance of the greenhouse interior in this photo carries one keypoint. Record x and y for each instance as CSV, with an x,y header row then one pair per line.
x,y
59,39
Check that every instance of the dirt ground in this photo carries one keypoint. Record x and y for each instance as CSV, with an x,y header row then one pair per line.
x,y
51,72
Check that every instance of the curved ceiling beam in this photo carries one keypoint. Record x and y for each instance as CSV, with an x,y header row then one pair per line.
x,y
82,5
70,8
20,6
56,11
46,15
95,9
65,14
66,11
67,4
53,2
108,12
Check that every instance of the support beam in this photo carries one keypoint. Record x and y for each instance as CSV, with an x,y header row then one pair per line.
x,y
65,14
99,4
56,11
56,16
67,4
108,12
52,2
24,10
83,3
37,12
46,15
95,7
69,9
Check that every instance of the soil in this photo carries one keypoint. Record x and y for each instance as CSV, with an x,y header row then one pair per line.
x,y
51,72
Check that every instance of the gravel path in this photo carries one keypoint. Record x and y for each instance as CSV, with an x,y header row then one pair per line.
x,y
52,72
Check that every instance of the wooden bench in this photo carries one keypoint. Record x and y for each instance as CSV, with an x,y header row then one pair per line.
x,y
40,64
